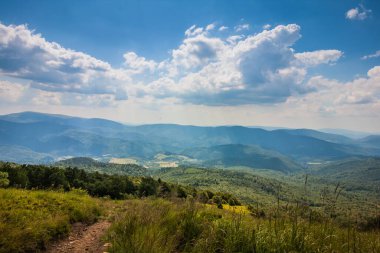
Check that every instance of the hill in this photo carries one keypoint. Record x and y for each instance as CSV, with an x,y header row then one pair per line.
x,y
361,172
92,165
243,155
372,141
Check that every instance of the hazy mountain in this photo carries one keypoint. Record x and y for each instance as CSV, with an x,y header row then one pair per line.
x,y
348,133
298,146
59,135
372,141
23,155
335,138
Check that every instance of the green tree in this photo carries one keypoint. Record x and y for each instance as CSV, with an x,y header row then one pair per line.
x,y
4,181
148,186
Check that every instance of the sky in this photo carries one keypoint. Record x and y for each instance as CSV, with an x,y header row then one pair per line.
x,y
298,64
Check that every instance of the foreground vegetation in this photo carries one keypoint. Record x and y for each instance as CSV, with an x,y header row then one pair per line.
x,y
39,204
266,188
161,226
29,220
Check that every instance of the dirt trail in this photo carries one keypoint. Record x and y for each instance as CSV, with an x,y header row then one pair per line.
x,y
82,239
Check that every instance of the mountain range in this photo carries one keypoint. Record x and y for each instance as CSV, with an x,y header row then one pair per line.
x,y
31,137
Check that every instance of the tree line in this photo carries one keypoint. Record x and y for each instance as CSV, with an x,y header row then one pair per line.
x,y
101,185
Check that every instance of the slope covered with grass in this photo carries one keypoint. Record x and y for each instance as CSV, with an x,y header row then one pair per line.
x,y
159,226
29,220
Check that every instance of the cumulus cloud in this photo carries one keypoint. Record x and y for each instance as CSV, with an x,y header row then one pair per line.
x,y
137,64
374,55
260,68
358,97
358,13
52,67
318,57
205,69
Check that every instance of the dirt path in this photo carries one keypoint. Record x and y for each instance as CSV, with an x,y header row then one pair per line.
x,y
82,239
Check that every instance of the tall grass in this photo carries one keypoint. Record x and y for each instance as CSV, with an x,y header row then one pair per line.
x,y
30,219
162,226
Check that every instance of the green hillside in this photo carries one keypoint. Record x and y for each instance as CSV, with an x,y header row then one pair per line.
x,y
362,172
243,155
266,189
92,165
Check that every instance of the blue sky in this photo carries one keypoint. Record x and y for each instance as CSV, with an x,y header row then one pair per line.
x,y
286,63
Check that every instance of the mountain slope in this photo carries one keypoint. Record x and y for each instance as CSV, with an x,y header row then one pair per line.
x,y
363,171
372,141
242,155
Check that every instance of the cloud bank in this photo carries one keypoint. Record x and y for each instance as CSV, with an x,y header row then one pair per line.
x,y
211,67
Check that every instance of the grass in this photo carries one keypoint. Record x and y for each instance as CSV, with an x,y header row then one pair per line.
x,y
163,226
265,188
30,219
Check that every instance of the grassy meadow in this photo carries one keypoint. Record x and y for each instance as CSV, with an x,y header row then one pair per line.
x,y
161,226
30,219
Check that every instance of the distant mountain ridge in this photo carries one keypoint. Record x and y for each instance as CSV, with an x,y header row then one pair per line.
x,y
47,137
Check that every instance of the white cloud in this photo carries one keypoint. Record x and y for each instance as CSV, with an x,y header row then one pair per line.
x,y
267,27
223,28
241,27
193,31
359,97
234,38
261,68
318,57
375,55
46,98
52,67
205,69
358,13
138,64
210,27
196,51
11,92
